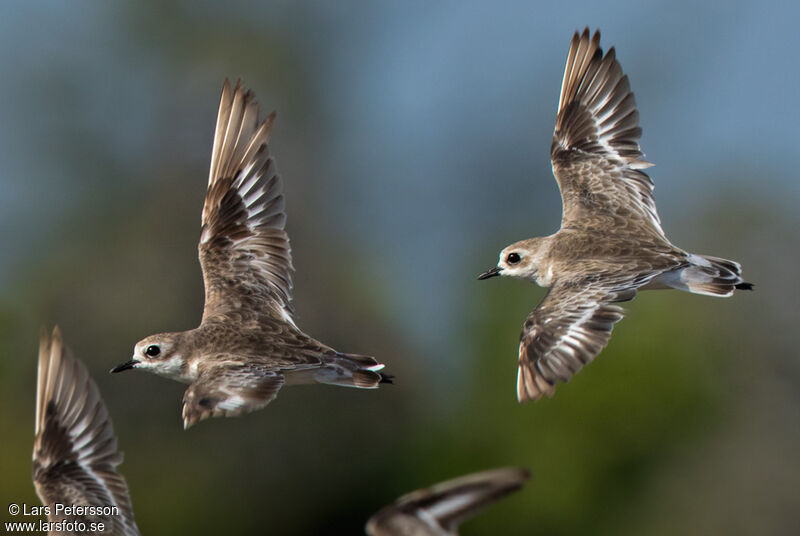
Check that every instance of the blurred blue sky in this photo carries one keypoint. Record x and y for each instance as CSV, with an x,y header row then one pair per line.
x,y
431,122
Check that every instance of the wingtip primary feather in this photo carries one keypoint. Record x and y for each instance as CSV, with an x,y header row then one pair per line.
x,y
595,146
531,385
75,441
244,213
441,508
596,83
51,375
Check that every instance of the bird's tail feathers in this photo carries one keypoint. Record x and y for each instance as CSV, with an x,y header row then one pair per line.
x,y
710,276
352,370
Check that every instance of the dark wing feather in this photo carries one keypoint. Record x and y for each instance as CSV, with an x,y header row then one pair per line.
x,y
596,157
75,451
567,330
229,390
440,509
244,250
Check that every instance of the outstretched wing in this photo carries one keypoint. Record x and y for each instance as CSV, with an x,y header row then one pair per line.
x,y
75,453
438,510
595,151
229,391
244,250
567,330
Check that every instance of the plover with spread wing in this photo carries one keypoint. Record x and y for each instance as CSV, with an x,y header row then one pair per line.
x,y
75,455
247,345
440,509
610,243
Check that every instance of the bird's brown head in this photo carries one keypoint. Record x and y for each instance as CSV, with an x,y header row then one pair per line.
x,y
520,260
156,353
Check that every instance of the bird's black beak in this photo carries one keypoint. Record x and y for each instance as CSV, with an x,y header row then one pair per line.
x,y
491,273
124,366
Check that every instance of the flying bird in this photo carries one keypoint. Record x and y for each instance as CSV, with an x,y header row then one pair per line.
x,y
247,345
610,244
440,509
75,455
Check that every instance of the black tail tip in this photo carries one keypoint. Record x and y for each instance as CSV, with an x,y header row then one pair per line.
x,y
386,378
745,286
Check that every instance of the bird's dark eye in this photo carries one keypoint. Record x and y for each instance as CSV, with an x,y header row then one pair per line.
x,y
152,351
512,258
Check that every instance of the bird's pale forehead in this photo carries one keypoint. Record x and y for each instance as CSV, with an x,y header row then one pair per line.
x,y
516,247
153,339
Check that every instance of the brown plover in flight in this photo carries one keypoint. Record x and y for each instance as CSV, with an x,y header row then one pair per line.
x,y
247,345
439,510
610,243
75,455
